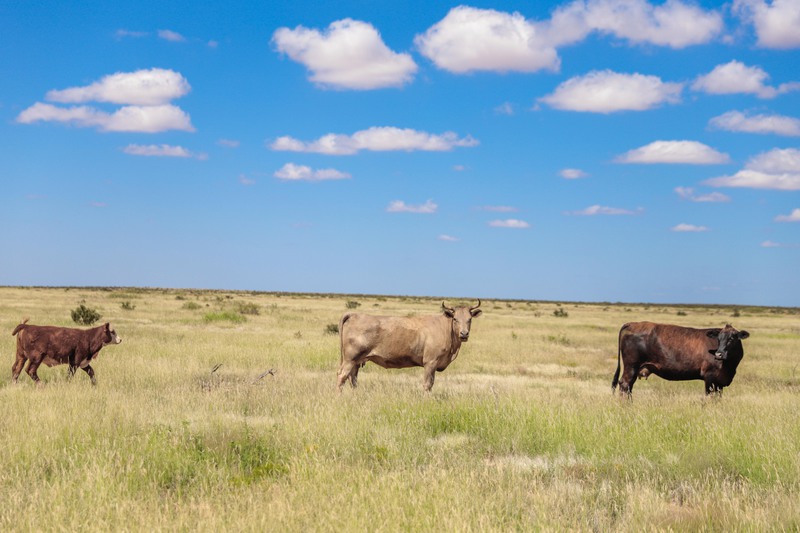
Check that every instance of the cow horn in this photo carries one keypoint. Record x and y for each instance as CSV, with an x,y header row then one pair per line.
x,y
452,310
471,309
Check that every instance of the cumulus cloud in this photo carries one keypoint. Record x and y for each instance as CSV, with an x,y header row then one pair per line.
x,y
378,139
245,180
608,92
737,78
673,23
169,35
773,244
688,152
350,54
399,206
144,87
572,173
228,143
603,210
470,39
775,23
448,238
689,228
292,172
145,119
763,124
511,223
794,216
497,208
687,193
778,169
160,150
123,33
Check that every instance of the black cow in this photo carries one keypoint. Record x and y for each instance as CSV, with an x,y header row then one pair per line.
x,y
678,353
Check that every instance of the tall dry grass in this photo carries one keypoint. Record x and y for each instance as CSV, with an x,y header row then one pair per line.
x,y
521,432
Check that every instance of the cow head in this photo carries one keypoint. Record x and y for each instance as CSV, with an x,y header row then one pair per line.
x,y
111,335
462,319
727,337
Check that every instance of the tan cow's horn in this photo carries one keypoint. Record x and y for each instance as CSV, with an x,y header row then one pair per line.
x,y
448,308
471,309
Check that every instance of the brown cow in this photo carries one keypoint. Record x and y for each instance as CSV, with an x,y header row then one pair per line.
x,y
431,342
53,346
678,353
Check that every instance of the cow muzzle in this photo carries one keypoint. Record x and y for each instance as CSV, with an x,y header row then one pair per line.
x,y
463,336
720,356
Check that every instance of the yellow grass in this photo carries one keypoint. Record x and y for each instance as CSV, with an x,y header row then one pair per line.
x,y
520,433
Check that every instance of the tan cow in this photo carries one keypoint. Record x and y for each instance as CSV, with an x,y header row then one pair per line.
x,y
431,342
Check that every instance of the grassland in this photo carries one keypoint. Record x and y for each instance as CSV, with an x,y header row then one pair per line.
x,y
521,433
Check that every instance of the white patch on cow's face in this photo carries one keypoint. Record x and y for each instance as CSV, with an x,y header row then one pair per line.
x,y
113,337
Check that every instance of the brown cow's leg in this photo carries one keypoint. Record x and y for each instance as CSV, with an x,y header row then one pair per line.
x,y
629,376
430,375
16,368
354,375
31,370
89,370
345,371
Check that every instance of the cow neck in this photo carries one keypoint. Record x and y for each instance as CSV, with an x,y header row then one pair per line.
x,y
96,339
455,341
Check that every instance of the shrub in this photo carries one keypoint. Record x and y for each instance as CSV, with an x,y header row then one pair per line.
x,y
736,313
561,313
85,315
236,318
352,304
127,306
332,329
191,306
249,309
681,313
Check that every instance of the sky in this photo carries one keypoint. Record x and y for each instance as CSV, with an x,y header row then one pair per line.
x,y
581,150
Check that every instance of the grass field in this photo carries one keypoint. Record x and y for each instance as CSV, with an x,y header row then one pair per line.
x,y
520,433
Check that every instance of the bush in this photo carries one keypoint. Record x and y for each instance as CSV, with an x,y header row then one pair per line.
x,y
561,313
249,309
85,315
127,306
352,304
236,318
191,306
681,313
332,329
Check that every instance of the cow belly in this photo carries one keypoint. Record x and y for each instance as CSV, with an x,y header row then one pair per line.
x,y
403,361
674,374
50,361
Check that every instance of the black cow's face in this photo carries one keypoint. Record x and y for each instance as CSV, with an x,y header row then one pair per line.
x,y
726,336
111,335
462,319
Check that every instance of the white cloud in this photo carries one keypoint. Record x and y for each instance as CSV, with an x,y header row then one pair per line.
x,y
689,228
688,152
511,223
169,35
737,78
144,87
244,180
672,23
157,150
794,216
349,55
123,33
608,92
773,244
144,119
687,193
764,124
777,169
448,238
377,139
776,24
603,210
228,143
399,206
469,39
506,108
497,208
292,172
572,173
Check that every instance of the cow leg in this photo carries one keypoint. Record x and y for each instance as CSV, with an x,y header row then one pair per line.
x,y
430,375
89,370
31,370
71,371
346,371
16,368
354,375
629,376
713,388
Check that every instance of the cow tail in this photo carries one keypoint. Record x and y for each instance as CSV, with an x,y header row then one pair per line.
x,y
20,327
344,319
615,381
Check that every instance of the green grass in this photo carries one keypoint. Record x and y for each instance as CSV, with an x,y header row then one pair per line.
x,y
520,433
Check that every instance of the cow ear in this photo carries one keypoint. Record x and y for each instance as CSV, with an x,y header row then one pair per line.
x,y
448,312
743,334
108,326
476,312
713,333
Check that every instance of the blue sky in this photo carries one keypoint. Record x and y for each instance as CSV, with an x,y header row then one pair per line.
x,y
588,150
